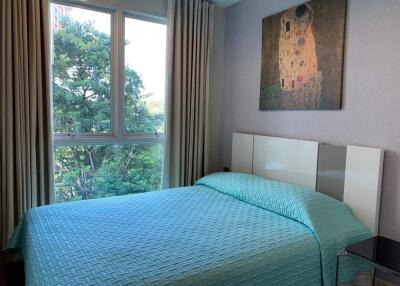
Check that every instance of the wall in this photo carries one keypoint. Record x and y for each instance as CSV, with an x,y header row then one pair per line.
x,y
371,93
151,7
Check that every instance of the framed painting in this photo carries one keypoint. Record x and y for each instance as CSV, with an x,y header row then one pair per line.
x,y
302,57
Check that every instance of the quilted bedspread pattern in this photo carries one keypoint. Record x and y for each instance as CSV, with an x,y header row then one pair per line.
x,y
213,233
331,221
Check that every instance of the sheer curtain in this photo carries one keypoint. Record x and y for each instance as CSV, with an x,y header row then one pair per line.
x,y
187,129
25,111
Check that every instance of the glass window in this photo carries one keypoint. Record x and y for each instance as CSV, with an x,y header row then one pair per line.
x,y
145,53
97,171
81,70
105,146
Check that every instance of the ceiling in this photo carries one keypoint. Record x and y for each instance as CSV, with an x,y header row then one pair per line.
x,y
225,3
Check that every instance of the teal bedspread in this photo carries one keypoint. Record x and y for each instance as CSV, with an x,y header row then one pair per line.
x,y
228,229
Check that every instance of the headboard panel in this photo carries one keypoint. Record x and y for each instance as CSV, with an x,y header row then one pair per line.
x,y
242,148
283,159
362,184
352,174
331,170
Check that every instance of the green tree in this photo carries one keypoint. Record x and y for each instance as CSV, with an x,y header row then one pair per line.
x,y
81,79
82,104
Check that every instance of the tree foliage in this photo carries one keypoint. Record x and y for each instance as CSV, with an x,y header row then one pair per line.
x,y
82,104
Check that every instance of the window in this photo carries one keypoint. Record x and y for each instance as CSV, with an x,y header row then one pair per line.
x,y
151,95
108,74
81,71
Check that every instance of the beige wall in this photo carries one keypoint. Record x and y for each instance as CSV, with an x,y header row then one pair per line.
x,y
371,93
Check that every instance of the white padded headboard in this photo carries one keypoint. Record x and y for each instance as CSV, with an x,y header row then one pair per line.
x,y
352,174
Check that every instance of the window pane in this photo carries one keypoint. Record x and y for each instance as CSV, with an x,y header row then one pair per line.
x,y
81,70
97,171
144,76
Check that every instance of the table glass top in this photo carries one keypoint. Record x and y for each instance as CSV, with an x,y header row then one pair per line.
x,y
380,250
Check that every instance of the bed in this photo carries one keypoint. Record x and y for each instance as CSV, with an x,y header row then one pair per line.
x,y
227,229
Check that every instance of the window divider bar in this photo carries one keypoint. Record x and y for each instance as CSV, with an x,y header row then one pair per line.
x,y
115,38
121,72
106,140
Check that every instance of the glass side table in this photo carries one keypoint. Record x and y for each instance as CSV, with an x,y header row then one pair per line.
x,y
383,252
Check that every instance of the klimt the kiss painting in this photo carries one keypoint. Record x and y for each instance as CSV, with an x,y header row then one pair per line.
x,y
302,57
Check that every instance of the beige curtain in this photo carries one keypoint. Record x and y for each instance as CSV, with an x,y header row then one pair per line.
x,y
25,111
187,129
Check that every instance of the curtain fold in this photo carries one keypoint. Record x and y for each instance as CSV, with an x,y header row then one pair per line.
x,y
186,153
25,111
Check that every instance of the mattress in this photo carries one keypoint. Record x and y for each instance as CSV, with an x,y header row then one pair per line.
x,y
228,229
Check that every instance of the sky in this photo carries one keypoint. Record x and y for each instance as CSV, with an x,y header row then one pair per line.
x,y
148,40
145,51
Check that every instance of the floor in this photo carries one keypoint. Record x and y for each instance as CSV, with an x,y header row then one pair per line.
x,y
11,270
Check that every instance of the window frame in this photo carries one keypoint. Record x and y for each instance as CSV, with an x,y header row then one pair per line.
x,y
118,134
